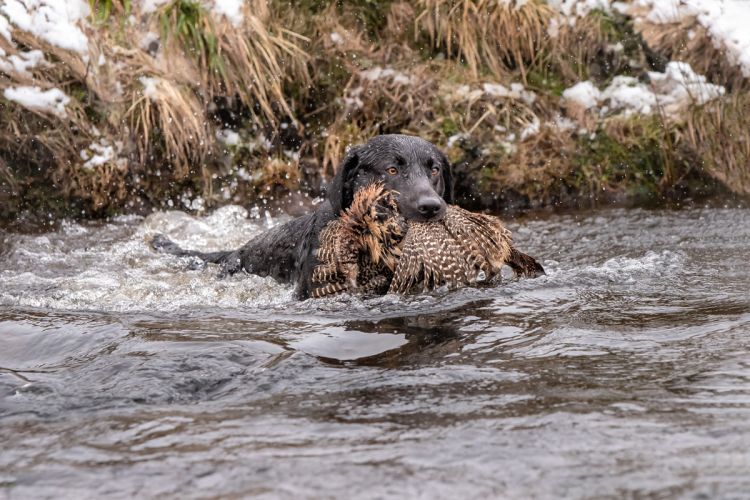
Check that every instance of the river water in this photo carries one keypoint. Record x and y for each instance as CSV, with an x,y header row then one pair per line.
x,y
623,372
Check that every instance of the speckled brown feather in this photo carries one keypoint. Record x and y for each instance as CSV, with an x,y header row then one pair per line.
x,y
487,240
460,250
366,251
359,250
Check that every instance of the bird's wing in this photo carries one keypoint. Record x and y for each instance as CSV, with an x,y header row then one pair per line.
x,y
410,264
488,241
328,242
444,257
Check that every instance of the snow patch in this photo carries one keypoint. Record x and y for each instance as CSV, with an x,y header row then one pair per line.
x,y
466,92
352,100
149,87
725,21
573,9
292,155
452,140
148,6
33,98
5,28
149,42
516,91
672,91
668,11
553,30
231,9
564,123
97,154
584,94
628,94
54,21
531,129
22,62
228,137
679,86
378,73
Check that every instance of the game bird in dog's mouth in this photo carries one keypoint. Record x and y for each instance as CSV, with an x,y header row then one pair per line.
x,y
372,249
452,248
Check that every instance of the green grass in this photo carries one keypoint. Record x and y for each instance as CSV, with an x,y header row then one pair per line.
x,y
103,9
370,16
190,23
638,165
545,80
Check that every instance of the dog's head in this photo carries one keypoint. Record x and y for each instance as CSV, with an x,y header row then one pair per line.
x,y
413,167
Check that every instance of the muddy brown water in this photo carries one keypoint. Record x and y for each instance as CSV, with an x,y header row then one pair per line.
x,y
624,372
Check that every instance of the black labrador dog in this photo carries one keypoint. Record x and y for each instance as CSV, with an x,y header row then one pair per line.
x,y
413,167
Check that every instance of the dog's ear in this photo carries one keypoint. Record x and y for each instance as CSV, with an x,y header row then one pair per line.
x,y
447,179
340,192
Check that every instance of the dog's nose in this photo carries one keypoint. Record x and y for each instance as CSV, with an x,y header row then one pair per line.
x,y
429,207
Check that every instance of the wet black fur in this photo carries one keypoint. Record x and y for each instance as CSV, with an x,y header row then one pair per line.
x,y
287,253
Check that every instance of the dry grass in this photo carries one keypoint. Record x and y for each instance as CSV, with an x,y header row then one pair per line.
x,y
6,174
486,33
276,173
420,100
526,40
166,124
171,115
537,166
719,134
252,62
578,49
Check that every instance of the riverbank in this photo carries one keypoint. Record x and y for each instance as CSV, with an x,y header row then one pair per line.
x,y
116,107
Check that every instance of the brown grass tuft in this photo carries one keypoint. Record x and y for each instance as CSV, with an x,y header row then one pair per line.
x,y
252,61
174,116
379,100
719,133
484,33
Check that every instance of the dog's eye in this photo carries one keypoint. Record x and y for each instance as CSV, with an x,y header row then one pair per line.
x,y
391,170
434,171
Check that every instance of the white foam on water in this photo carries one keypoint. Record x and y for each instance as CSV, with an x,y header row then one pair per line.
x,y
113,268
629,269
620,269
